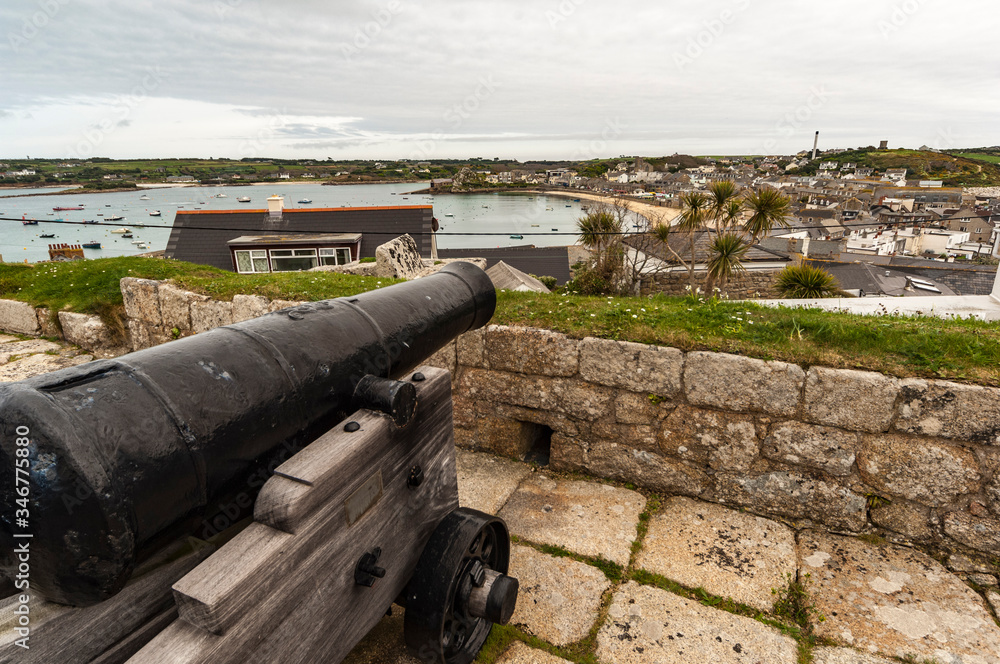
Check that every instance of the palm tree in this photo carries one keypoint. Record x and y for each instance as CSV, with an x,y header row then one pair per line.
x,y
806,282
728,251
601,232
768,208
694,211
722,196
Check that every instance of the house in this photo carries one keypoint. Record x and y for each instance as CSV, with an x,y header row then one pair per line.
x,y
978,225
205,236
252,254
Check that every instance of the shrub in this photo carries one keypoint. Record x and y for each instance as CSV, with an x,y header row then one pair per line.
x,y
367,259
549,282
805,281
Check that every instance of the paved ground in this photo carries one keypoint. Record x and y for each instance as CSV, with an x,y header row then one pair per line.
x,y
22,357
621,588
614,576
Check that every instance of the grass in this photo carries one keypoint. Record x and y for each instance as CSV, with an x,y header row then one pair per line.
x,y
991,158
926,347
965,350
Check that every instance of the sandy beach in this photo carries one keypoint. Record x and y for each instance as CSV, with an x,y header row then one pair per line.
x,y
654,213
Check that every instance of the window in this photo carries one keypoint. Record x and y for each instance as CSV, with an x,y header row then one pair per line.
x,y
248,262
335,256
292,260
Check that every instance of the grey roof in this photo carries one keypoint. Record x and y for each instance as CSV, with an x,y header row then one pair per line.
x,y
505,277
297,238
201,236
541,261
878,280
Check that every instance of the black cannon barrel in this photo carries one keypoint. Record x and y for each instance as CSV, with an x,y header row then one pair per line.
x,y
122,451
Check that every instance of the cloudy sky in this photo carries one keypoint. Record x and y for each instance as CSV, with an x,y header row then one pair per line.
x,y
517,79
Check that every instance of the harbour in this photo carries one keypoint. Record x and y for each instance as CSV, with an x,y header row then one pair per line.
x,y
466,220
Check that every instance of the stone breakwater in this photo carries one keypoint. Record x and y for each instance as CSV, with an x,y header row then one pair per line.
x,y
915,460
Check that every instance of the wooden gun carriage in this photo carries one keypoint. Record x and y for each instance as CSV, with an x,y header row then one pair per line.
x,y
320,422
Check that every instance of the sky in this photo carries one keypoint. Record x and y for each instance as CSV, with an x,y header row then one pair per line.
x,y
514,79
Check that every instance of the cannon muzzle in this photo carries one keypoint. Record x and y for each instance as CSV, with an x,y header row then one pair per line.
x,y
114,458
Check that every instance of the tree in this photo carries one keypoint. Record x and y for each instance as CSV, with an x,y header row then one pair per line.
x,y
806,282
728,251
618,267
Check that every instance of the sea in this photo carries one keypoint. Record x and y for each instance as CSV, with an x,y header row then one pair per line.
x,y
465,220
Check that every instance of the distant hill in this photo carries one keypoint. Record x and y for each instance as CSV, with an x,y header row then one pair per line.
x,y
953,169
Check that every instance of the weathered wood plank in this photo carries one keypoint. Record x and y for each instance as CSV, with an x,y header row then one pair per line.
x,y
131,644
70,635
271,596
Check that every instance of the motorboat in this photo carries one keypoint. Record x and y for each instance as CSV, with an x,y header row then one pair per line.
x,y
47,235
120,231
243,199
516,237
144,197
113,217
93,244
154,213
305,201
127,235
60,209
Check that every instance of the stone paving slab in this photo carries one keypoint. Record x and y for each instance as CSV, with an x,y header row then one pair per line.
x,y
14,347
520,653
728,553
587,518
847,656
485,482
41,363
895,601
559,598
647,625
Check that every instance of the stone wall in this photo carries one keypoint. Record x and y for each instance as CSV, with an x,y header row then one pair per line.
x,y
743,286
850,451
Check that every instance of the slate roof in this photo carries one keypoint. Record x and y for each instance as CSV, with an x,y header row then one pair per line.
x,y
200,236
680,242
877,280
958,278
540,261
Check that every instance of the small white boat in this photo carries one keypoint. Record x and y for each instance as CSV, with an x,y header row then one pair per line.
x,y
243,199
154,213
221,196
142,245
449,214
137,242
144,197
548,209
120,231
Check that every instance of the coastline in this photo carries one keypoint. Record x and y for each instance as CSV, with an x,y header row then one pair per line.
x,y
654,214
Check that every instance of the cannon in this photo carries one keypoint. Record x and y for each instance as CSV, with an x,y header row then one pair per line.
x,y
313,417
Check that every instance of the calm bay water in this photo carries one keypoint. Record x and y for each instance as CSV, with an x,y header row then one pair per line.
x,y
536,218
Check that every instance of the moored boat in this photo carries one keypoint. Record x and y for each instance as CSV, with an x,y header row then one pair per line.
x,y
243,199
93,244
113,217
120,231
47,235
29,222
60,209
154,213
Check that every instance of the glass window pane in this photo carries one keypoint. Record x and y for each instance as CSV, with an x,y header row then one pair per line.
x,y
260,265
344,256
281,252
305,252
292,264
326,252
243,263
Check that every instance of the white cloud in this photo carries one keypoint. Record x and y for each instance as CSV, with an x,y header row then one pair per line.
x,y
380,76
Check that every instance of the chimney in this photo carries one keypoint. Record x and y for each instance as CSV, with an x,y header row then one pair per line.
x,y
275,204
815,145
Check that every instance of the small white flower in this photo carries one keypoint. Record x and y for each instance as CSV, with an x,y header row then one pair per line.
x,y
634,316
593,315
